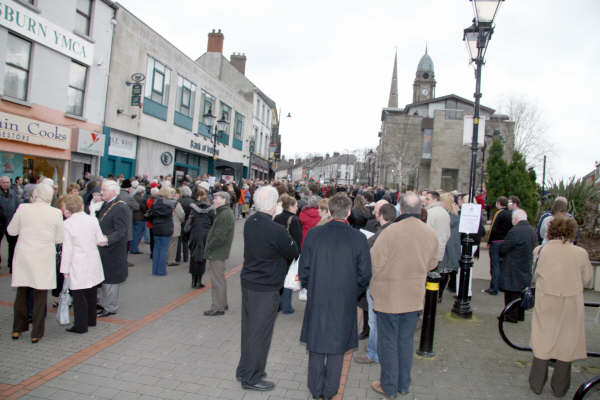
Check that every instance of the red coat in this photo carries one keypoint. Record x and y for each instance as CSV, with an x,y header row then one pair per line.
x,y
310,218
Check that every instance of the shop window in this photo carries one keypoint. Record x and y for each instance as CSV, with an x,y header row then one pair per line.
x,y
237,132
76,90
226,114
82,16
16,75
449,179
186,95
159,80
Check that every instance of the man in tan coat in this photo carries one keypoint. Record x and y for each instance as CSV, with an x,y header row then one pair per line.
x,y
401,258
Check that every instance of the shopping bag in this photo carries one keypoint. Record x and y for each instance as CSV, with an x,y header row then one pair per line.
x,y
303,295
291,279
64,301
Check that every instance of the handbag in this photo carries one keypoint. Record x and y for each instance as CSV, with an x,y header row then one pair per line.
x,y
528,294
64,301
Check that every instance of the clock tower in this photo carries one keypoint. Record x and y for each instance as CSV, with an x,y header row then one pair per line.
x,y
424,86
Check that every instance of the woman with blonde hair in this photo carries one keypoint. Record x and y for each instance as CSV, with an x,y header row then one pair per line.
x,y
558,323
39,227
324,212
449,264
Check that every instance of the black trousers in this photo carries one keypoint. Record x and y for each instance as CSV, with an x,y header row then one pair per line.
x,y
182,247
84,308
259,310
516,313
20,322
561,377
324,372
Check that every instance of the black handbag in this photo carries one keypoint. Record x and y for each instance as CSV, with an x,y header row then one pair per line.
x,y
528,294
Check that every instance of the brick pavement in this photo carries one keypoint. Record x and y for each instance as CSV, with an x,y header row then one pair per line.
x,y
164,348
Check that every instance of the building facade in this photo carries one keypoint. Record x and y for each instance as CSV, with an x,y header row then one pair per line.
x,y
157,100
426,144
53,78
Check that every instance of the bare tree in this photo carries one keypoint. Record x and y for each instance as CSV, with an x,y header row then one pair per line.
x,y
530,129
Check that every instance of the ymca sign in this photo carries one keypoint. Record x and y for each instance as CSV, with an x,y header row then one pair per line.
x,y
21,20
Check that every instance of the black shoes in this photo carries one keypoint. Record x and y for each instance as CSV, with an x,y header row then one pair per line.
x,y
72,329
239,378
213,313
490,292
104,313
261,386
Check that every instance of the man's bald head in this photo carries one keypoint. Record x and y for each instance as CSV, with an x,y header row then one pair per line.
x,y
410,203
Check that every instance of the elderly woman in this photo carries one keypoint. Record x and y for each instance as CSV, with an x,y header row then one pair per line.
x,y
309,216
81,262
162,229
40,228
558,324
449,264
178,219
198,224
293,225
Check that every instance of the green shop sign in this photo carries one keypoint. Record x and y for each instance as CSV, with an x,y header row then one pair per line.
x,y
21,20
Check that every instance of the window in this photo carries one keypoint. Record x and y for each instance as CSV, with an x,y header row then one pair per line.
x,y
226,114
76,90
16,76
239,126
82,16
159,80
208,105
186,95
449,179
257,108
452,110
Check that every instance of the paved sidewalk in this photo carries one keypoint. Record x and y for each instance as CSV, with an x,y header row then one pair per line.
x,y
160,346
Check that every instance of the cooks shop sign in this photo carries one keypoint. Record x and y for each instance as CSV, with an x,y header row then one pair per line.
x,y
30,131
26,22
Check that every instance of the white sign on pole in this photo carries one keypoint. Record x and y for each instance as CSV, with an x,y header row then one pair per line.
x,y
211,181
470,218
468,130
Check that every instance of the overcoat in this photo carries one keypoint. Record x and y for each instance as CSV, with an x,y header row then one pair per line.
x,y
201,219
558,323
335,267
114,218
220,235
40,228
453,246
517,250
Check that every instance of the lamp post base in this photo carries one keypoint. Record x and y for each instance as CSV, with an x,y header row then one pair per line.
x,y
462,309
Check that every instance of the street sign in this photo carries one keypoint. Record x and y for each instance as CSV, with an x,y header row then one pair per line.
x,y
136,94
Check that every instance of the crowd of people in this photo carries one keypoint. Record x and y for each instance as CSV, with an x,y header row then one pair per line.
x,y
357,246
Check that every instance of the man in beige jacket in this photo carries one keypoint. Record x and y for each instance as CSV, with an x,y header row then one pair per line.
x,y
401,258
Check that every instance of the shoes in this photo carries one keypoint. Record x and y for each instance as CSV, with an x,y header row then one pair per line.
x,y
172,264
200,286
239,378
288,311
261,386
364,335
130,264
15,335
490,292
376,386
94,324
136,252
35,339
363,359
213,313
105,313
99,307
72,329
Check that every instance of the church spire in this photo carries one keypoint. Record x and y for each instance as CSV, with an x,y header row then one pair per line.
x,y
393,100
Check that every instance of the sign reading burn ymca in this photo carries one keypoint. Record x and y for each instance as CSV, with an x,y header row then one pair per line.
x,y
26,22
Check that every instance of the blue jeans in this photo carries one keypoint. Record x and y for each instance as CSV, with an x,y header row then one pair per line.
x,y
395,348
147,235
495,265
285,301
159,255
372,343
138,232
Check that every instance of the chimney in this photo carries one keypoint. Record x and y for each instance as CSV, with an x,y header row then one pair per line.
x,y
239,62
215,42
292,161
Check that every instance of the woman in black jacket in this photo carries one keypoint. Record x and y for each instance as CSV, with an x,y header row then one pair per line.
x,y
293,225
162,229
195,231
360,214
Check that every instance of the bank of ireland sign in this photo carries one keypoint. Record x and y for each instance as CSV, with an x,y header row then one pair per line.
x,y
29,24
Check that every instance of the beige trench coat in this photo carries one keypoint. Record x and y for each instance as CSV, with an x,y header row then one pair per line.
x,y
40,228
558,324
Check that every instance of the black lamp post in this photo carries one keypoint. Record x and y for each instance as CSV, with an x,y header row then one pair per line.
x,y
221,126
477,37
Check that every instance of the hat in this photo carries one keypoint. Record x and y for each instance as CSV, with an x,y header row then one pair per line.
x,y
126,184
154,184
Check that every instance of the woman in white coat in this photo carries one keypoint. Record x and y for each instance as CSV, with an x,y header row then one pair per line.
x,y
81,262
40,228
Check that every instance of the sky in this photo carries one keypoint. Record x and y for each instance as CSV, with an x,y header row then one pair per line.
x,y
329,63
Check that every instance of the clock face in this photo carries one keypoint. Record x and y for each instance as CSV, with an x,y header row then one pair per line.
x,y
425,75
425,91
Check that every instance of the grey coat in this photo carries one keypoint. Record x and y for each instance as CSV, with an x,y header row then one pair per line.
x,y
453,247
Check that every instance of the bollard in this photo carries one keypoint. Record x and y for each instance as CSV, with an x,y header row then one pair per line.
x,y
428,327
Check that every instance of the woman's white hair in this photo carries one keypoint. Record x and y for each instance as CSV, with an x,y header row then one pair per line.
x,y
185,191
113,185
265,198
140,189
42,192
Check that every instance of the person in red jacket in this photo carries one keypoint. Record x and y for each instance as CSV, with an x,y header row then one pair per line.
x,y
309,216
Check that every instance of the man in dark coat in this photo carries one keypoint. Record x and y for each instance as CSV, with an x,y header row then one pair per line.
x,y
115,219
267,249
517,250
335,267
9,201
501,224
196,230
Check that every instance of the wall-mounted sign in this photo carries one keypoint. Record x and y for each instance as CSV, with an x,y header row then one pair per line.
x,y
29,24
25,130
136,94
90,142
202,147
138,77
122,145
166,158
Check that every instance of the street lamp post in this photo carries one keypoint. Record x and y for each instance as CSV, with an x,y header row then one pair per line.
x,y
477,37
220,126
